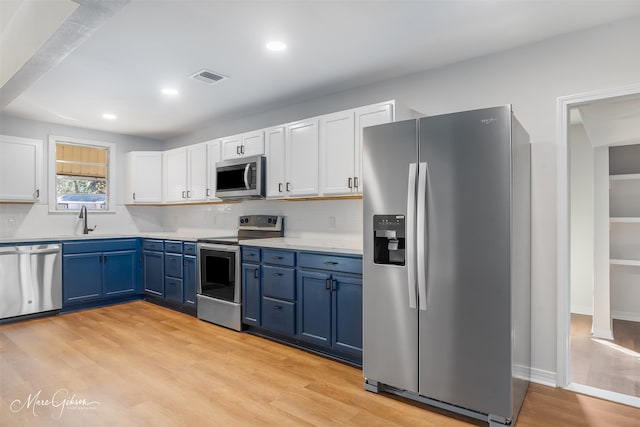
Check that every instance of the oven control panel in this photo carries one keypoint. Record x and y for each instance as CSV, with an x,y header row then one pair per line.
x,y
261,222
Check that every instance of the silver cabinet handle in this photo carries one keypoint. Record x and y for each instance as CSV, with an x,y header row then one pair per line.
x,y
134,196
183,194
238,150
279,187
188,194
37,194
288,186
349,182
411,244
355,182
208,193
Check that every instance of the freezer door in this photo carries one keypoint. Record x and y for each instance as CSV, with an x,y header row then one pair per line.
x,y
390,325
465,351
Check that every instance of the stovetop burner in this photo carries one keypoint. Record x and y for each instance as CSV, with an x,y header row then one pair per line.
x,y
252,227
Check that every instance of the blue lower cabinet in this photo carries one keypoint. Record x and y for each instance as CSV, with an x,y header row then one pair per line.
x,y
314,307
153,272
347,315
251,294
99,271
279,316
190,280
173,290
119,272
82,277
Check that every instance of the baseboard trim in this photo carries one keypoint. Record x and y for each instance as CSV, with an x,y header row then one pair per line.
x,y
625,399
582,309
626,315
605,334
540,376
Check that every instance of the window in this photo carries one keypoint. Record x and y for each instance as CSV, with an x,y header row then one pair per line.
x,y
81,174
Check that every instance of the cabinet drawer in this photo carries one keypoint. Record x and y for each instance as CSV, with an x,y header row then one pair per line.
x,y
278,315
173,265
331,262
153,245
279,282
173,289
251,254
189,248
173,247
105,245
270,256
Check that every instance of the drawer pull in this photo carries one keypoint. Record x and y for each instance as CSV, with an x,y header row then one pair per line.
x,y
277,274
330,263
276,307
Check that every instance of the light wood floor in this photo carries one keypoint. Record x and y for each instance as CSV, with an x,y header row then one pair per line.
x,y
594,363
145,365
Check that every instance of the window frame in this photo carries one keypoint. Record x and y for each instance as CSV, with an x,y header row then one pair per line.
x,y
111,171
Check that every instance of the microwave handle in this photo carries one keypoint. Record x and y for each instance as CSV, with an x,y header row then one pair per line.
x,y
247,170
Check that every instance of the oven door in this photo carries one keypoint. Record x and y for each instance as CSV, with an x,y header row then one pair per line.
x,y
219,276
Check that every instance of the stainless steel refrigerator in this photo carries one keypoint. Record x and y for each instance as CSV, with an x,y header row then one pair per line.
x,y
446,292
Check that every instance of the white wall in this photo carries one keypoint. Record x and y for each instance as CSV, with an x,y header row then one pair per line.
x,y
582,239
24,220
531,78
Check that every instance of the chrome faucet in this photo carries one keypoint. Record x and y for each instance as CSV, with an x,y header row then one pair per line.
x,y
83,216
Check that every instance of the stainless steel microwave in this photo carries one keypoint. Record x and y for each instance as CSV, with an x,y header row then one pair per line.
x,y
243,178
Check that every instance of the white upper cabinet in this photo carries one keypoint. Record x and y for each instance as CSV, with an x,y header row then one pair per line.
x,y
197,166
370,115
174,163
185,174
337,153
20,166
275,149
143,180
301,159
213,157
341,147
246,144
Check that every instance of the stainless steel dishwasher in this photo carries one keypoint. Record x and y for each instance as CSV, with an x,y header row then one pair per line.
x,y
30,279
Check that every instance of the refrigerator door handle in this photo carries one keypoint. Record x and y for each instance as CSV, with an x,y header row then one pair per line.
x,y
421,230
411,244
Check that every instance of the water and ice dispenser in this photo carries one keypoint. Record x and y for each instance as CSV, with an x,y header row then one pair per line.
x,y
389,239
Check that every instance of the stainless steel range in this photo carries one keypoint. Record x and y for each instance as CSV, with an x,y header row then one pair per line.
x,y
219,279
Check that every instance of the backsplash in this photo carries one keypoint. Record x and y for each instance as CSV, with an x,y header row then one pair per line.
x,y
334,219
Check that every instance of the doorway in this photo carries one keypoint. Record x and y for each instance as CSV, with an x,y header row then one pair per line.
x,y
598,324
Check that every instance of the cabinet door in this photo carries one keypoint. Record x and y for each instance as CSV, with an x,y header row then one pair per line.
x,y
153,272
197,170
144,177
251,294
276,169
346,319
82,277
231,147
190,280
302,159
20,165
119,272
252,144
173,290
337,153
314,307
175,175
368,116
213,157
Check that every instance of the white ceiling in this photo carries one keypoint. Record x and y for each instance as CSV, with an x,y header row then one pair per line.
x,y
332,46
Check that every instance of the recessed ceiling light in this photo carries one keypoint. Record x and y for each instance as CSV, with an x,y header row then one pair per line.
x,y
170,91
109,116
276,46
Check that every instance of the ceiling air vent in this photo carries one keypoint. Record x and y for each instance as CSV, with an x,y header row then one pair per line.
x,y
208,77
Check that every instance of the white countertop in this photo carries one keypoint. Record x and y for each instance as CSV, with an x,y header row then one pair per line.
x,y
353,246
315,242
